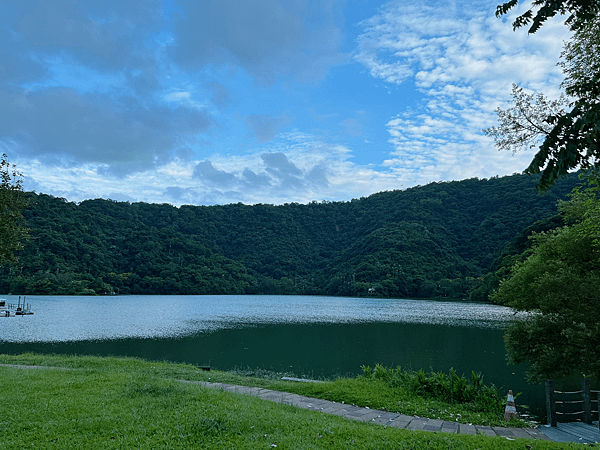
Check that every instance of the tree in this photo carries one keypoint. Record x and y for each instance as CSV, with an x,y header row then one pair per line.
x,y
580,12
525,125
570,137
574,141
558,286
12,202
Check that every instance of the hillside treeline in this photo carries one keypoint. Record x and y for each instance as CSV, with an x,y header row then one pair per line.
x,y
443,239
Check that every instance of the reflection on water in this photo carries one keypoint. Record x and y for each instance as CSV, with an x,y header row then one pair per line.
x,y
312,336
89,318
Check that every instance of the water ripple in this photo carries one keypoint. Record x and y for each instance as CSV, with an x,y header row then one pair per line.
x,y
72,318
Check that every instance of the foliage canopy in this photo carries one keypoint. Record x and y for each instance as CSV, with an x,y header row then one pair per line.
x,y
579,12
429,241
568,130
574,141
12,202
525,125
558,285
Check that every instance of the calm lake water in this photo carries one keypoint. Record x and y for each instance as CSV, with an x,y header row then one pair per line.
x,y
307,336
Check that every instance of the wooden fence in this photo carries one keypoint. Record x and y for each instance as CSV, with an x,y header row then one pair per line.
x,y
572,406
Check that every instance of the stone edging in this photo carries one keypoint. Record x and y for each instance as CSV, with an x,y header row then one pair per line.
x,y
385,418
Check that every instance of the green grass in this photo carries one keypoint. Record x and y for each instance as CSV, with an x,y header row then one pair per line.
x,y
385,389
106,403
433,395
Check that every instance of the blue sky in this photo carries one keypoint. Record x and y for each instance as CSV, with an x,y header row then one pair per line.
x,y
262,101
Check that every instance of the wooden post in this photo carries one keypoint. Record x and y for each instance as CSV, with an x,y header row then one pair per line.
x,y
550,404
587,400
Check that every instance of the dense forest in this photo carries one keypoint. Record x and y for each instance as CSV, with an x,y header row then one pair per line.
x,y
450,239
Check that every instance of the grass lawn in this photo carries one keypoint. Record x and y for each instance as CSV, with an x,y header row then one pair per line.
x,y
121,403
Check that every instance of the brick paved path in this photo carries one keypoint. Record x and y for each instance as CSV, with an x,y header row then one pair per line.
x,y
375,416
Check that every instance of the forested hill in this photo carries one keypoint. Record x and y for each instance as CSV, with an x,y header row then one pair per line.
x,y
434,240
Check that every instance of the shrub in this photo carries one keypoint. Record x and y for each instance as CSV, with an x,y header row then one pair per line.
x,y
440,386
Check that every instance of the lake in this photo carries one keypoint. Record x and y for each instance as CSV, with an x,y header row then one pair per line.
x,y
315,337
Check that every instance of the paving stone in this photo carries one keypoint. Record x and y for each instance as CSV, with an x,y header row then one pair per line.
x,y
534,433
401,421
273,396
520,433
464,428
353,415
305,405
449,427
313,406
503,431
417,424
257,391
433,425
381,420
368,417
384,418
355,411
371,415
343,412
231,388
300,400
331,409
359,411
485,430
290,399
266,391
322,404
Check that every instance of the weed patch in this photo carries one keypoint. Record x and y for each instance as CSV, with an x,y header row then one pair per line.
x,y
439,386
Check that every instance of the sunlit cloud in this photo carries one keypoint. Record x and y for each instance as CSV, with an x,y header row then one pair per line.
x,y
309,170
221,101
464,61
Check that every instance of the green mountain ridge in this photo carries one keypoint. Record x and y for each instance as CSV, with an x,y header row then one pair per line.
x,y
441,239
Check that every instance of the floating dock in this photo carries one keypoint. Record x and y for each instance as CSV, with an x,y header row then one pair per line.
x,y
10,310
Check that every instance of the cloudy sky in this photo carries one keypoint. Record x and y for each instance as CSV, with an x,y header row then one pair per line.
x,y
262,101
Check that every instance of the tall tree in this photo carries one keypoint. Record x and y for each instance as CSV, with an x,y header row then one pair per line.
x,y
579,12
569,132
574,141
558,285
12,202
525,125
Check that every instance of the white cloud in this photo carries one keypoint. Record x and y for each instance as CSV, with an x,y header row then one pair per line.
x,y
177,96
59,126
293,168
145,108
464,61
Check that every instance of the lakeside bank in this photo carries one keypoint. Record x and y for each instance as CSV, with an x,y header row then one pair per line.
x,y
122,402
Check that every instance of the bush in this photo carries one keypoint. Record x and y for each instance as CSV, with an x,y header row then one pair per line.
x,y
439,386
